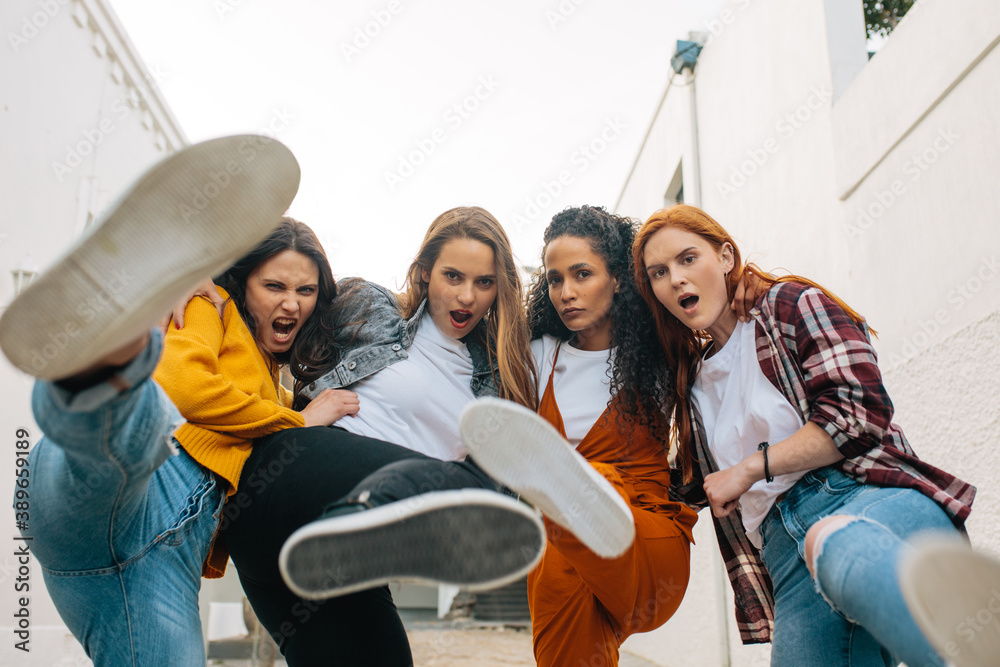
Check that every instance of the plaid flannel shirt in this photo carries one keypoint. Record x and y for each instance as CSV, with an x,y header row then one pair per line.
x,y
824,364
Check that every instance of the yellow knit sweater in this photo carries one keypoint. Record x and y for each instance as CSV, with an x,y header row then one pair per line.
x,y
214,373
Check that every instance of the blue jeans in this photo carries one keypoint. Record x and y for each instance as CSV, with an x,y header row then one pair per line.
x,y
853,613
121,522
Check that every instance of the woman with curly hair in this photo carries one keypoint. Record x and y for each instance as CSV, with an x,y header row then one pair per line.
x,y
604,384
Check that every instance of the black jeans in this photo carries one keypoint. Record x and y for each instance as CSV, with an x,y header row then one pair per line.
x,y
290,479
410,477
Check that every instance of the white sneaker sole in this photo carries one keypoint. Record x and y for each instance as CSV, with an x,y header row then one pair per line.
x,y
524,452
954,595
471,538
190,216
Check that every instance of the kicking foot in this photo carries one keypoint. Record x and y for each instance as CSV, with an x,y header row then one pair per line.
x,y
954,595
471,538
524,452
191,215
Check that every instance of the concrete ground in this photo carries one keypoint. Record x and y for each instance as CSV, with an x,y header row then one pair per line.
x,y
438,643
482,647
470,643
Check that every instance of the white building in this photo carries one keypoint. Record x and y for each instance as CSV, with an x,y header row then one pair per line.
x,y
879,179
81,116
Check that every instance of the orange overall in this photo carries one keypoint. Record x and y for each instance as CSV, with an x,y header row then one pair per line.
x,y
584,606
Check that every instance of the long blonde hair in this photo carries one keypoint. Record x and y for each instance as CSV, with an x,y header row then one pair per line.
x,y
504,330
683,346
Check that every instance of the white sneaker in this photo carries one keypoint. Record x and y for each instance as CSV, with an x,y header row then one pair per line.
x,y
954,595
190,216
524,452
472,538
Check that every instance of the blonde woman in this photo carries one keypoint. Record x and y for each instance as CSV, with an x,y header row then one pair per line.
x,y
408,366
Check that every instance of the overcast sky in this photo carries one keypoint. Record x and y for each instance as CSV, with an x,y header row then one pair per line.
x,y
399,110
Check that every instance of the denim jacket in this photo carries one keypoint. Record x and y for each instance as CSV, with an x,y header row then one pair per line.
x,y
372,334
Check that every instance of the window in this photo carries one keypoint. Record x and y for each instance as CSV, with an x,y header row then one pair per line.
x,y
675,191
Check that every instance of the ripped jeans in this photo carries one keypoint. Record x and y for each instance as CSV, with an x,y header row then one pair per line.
x,y
853,613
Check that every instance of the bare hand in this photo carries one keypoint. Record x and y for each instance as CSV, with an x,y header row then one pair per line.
x,y
205,288
330,406
725,488
747,293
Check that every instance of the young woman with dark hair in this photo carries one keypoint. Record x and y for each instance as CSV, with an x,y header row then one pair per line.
x,y
604,386
785,429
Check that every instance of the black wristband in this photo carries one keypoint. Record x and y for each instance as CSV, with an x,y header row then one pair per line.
x,y
762,447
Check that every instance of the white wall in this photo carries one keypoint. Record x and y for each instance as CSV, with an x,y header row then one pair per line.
x,y
72,83
879,180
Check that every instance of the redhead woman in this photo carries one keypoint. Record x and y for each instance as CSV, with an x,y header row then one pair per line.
x,y
785,429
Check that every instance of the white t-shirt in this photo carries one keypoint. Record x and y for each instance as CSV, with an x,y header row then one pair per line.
x,y
740,408
416,402
581,383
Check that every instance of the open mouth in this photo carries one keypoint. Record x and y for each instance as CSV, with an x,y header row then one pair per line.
x,y
689,302
283,328
460,318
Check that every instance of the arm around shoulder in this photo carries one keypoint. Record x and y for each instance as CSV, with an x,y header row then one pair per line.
x,y
206,395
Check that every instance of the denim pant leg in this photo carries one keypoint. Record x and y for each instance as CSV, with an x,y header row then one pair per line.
x,y
857,569
807,630
118,523
857,573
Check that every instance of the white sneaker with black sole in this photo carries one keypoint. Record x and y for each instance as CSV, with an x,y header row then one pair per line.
x,y
524,452
472,538
954,596
188,217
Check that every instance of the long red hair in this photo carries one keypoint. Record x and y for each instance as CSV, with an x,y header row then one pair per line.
x,y
683,346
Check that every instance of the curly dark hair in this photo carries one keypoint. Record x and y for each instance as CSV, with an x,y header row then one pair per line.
x,y
641,379
312,348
